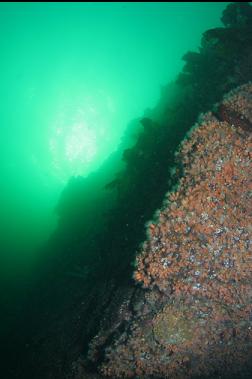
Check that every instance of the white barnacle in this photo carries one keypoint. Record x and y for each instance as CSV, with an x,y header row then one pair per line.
x,y
165,262
204,216
196,286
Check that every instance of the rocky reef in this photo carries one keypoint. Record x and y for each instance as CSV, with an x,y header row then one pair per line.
x,y
190,314
182,308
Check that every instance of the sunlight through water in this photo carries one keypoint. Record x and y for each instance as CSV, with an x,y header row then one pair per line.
x,y
79,133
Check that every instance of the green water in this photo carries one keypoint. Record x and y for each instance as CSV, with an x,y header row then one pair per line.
x,y
72,77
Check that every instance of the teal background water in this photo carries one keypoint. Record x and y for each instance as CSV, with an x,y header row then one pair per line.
x,y
73,75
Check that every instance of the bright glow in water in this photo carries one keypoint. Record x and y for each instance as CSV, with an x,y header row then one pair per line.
x,y
80,133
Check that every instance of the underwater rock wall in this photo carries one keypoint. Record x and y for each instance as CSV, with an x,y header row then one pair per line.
x,y
84,288
193,315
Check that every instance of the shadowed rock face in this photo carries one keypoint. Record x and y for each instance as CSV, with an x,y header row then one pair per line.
x,y
236,108
191,313
172,326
